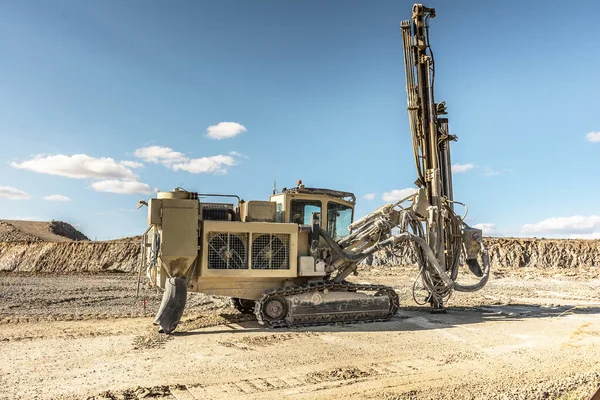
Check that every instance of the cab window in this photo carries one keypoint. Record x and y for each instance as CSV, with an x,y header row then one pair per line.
x,y
302,211
279,212
339,217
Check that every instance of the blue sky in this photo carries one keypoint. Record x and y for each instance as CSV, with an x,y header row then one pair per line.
x,y
312,90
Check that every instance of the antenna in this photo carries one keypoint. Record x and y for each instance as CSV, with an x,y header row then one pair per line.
x,y
274,186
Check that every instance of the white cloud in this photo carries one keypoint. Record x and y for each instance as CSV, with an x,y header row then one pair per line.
x,y
122,187
213,164
79,166
459,168
593,137
236,154
594,235
397,194
26,218
132,164
11,193
368,196
489,171
159,154
224,130
487,228
57,197
574,226
178,161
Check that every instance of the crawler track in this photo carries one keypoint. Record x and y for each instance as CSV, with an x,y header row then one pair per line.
x,y
288,319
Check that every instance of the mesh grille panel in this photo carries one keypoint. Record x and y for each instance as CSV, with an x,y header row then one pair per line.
x,y
228,251
270,251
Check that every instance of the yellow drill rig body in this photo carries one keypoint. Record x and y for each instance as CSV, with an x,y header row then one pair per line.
x,y
287,259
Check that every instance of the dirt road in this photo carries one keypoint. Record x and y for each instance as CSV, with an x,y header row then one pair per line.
x,y
525,336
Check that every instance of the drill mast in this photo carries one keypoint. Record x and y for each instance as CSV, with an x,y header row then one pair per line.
x,y
431,140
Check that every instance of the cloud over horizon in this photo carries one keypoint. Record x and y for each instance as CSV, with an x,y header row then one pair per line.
x,y
132,164
237,154
180,162
460,168
159,155
397,194
593,137
11,193
487,228
122,187
575,226
77,166
225,130
212,165
109,175
57,197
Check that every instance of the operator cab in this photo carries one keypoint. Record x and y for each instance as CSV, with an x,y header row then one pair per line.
x,y
297,205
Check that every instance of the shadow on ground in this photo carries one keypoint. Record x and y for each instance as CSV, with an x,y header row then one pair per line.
x,y
410,319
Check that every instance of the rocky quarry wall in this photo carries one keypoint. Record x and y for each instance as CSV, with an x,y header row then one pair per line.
x,y
67,257
124,255
515,253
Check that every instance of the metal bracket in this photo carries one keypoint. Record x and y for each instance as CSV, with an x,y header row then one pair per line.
x,y
441,108
429,175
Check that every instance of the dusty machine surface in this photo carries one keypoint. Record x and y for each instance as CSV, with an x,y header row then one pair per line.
x,y
288,259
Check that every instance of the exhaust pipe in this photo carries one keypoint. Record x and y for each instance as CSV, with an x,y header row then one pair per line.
x,y
172,305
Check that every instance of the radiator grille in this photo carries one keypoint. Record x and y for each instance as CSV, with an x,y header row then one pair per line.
x,y
270,251
214,212
228,250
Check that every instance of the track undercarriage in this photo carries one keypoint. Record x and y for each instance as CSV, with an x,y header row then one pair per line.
x,y
324,303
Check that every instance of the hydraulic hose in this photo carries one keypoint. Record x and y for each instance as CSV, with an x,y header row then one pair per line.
x,y
407,236
350,257
434,262
402,237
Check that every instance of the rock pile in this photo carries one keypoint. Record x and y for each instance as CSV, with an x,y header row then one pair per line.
x,y
38,231
8,233
67,230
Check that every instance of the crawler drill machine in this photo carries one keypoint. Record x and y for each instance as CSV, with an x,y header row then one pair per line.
x,y
287,260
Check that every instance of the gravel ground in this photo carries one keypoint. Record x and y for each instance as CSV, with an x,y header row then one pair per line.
x,y
46,297
530,334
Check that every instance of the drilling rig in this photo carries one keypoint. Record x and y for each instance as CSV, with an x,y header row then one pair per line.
x,y
288,259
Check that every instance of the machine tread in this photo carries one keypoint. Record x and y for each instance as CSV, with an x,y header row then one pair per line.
x,y
324,320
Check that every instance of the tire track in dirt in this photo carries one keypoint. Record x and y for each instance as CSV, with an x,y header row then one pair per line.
x,y
311,384
274,385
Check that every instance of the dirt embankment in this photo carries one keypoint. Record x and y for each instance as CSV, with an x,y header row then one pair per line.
x,y
58,247
513,253
124,255
63,257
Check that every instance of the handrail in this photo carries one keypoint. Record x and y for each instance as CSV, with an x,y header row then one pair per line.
x,y
143,260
